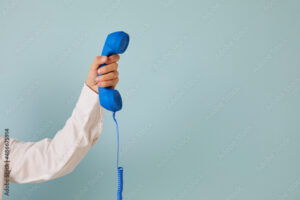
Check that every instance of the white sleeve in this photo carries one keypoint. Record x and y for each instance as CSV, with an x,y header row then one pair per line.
x,y
51,158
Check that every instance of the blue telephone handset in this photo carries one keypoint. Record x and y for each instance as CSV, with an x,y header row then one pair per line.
x,y
116,43
110,99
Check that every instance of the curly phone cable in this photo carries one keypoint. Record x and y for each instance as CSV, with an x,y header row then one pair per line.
x,y
119,168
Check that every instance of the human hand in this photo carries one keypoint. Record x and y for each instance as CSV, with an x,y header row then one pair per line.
x,y
109,73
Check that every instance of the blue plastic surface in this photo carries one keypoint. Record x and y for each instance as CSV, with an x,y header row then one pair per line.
x,y
116,43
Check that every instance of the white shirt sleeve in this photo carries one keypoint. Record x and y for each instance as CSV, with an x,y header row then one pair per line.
x,y
52,158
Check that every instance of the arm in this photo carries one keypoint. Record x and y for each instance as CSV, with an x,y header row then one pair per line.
x,y
52,158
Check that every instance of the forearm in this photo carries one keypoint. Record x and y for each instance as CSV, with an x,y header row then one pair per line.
x,y
52,158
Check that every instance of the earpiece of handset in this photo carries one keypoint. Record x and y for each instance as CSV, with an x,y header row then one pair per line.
x,y
116,43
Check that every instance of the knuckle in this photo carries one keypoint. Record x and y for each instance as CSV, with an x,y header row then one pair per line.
x,y
111,66
97,58
116,74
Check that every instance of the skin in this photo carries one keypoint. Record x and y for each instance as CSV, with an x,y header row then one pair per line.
x,y
109,73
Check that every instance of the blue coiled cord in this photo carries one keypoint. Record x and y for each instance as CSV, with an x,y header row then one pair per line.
x,y
119,169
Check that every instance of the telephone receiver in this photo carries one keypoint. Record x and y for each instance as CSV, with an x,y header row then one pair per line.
x,y
116,43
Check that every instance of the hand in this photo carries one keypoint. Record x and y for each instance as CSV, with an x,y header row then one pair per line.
x,y
109,73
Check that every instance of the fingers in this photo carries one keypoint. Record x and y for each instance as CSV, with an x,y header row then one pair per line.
x,y
108,76
100,60
112,59
109,83
110,79
108,68
109,73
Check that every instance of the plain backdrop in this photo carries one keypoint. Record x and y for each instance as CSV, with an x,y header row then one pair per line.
x,y
210,92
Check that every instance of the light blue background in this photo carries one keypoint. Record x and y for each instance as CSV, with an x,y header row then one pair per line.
x,y
210,90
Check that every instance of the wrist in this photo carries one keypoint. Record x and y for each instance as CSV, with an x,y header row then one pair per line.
x,y
90,86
